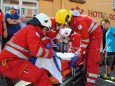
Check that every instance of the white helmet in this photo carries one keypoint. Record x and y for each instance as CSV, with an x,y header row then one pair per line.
x,y
65,32
44,20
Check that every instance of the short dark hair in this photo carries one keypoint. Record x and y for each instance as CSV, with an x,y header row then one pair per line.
x,y
106,21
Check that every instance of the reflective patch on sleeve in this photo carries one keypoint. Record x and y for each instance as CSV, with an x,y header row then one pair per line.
x,y
80,27
40,51
37,34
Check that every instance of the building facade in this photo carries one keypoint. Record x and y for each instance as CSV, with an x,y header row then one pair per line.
x,y
96,9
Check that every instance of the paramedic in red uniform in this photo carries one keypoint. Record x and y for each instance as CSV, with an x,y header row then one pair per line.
x,y
91,36
53,33
24,44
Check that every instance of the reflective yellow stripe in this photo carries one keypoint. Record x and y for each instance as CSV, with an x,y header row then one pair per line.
x,y
93,75
17,46
91,80
15,52
40,51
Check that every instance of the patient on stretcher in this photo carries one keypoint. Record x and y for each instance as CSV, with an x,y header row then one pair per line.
x,y
65,66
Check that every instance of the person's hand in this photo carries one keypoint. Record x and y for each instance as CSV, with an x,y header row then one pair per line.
x,y
75,58
5,34
33,59
48,46
18,21
78,53
54,54
57,44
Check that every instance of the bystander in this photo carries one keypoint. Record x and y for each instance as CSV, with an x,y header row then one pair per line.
x,y
12,22
24,21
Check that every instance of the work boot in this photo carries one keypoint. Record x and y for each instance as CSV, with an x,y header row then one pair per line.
x,y
113,78
105,76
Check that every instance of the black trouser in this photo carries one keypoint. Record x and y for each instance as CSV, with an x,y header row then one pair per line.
x,y
4,40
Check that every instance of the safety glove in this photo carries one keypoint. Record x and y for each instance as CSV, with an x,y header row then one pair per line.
x,y
55,55
48,46
57,44
33,59
74,59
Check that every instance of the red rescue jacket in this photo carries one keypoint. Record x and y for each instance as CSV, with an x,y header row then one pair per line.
x,y
85,26
26,43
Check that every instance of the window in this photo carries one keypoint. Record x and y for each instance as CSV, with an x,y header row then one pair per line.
x,y
48,0
27,7
113,4
7,9
11,1
78,1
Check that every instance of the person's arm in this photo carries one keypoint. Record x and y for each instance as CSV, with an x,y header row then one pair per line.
x,y
5,34
83,29
11,21
18,20
36,46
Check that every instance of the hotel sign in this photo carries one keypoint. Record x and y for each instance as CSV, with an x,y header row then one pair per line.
x,y
99,14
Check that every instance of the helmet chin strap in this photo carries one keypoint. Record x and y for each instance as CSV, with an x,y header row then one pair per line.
x,y
66,19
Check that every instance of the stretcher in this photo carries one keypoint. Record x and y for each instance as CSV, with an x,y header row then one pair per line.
x,y
76,77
